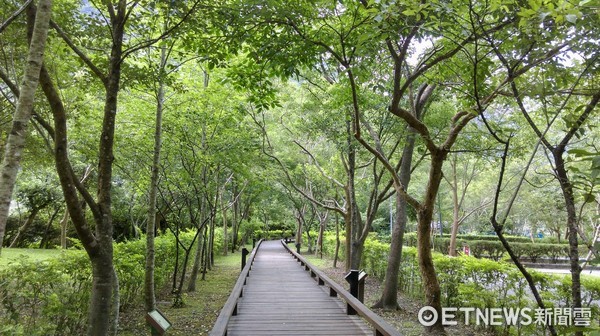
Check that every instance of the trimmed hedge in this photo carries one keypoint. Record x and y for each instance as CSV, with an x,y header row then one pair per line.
x,y
274,234
492,248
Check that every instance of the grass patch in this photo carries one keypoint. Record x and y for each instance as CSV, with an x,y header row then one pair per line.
x,y
318,262
201,308
311,257
9,255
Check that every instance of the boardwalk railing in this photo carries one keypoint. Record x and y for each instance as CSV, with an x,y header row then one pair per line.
x,y
380,327
230,307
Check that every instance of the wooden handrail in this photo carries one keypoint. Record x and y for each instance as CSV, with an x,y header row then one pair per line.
x,y
380,326
230,307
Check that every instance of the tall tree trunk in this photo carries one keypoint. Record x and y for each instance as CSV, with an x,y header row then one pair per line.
x,y
299,219
337,240
149,295
211,243
64,225
197,261
224,214
389,295
199,248
16,138
45,238
235,218
567,190
455,211
354,229
103,311
102,305
348,241
322,225
431,284
205,260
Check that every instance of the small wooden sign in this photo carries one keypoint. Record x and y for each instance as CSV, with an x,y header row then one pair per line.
x,y
158,321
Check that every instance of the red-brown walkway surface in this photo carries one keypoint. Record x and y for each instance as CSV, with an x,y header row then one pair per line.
x,y
281,298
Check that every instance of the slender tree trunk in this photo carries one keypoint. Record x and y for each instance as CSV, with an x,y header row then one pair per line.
x,y
319,250
224,214
389,296
205,258
322,224
348,241
64,225
179,292
45,238
431,284
32,215
116,302
337,240
299,217
567,189
234,219
104,273
199,248
149,295
211,243
103,310
197,261
16,138
455,211
176,265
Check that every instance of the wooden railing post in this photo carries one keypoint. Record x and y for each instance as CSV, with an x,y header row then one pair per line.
x,y
352,279
245,253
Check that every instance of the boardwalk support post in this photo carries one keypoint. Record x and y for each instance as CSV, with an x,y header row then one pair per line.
x,y
245,253
356,279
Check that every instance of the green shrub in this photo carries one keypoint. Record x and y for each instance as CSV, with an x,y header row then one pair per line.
x,y
467,281
276,234
51,297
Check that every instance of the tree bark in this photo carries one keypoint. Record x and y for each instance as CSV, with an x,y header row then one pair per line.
x,y
337,241
197,260
389,295
572,227
149,295
16,138
224,217
103,309
64,223
424,217
32,215
45,238
455,211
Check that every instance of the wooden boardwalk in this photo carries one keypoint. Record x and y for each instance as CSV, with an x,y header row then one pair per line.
x,y
281,298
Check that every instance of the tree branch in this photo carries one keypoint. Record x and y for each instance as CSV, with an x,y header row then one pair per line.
x,y
15,15
164,35
79,53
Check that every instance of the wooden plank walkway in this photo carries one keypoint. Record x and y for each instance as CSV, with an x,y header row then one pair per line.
x,y
281,298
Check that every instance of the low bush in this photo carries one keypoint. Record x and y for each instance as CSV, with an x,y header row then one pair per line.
x,y
273,234
51,297
491,247
466,281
